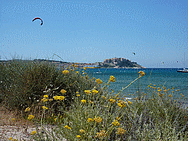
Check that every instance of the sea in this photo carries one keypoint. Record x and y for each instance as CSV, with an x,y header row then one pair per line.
x,y
157,77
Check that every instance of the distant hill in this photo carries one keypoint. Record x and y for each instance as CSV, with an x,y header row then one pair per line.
x,y
113,62
118,63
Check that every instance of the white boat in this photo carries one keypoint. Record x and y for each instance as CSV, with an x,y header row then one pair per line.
x,y
184,70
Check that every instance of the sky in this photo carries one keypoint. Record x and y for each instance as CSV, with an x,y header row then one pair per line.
x,y
91,31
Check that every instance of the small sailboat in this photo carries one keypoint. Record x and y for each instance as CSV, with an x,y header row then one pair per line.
x,y
184,69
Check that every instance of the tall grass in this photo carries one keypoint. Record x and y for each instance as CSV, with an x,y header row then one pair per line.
x,y
80,108
23,83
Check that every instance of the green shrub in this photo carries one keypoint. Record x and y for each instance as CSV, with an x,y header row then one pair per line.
x,y
106,117
24,82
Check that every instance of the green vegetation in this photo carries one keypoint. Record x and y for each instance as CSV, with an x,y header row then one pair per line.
x,y
80,108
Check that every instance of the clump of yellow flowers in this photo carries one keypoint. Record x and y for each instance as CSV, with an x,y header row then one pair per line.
x,y
87,91
120,131
30,117
63,91
65,72
99,81
141,73
98,119
115,123
67,127
59,98
33,132
112,79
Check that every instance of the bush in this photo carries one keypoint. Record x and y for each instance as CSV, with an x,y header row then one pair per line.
x,y
100,116
25,82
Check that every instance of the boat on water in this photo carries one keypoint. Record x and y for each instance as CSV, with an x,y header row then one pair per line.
x,y
184,70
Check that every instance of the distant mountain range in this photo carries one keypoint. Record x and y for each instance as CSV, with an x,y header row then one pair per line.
x,y
112,63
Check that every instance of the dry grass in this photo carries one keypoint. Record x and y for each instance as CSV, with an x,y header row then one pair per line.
x,y
11,118
13,125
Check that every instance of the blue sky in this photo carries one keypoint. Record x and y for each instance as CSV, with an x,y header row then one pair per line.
x,y
94,30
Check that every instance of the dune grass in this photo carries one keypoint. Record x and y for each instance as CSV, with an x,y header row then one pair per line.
x,y
81,108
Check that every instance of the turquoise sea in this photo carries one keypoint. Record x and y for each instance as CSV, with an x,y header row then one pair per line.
x,y
168,77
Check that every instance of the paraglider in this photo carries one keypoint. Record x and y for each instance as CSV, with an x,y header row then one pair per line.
x,y
134,53
39,19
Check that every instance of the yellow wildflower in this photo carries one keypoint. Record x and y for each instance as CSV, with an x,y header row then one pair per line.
x,y
119,104
77,72
56,97
90,120
115,123
10,138
98,81
77,95
63,91
33,132
102,133
112,79
112,100
30,117
45,96
84,68
50,99
44,100
118,118
65,72
67,127
87,91
44,107
182,95
78,136
13,119
59,98
98,119
83,101
129,102
95,91
120,131
170,95
82,131
141,73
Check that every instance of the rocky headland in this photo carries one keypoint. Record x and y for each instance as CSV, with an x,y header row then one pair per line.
x,y
119,63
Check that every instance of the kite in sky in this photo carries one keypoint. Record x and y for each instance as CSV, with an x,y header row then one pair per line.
x,y
134,53
39,19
